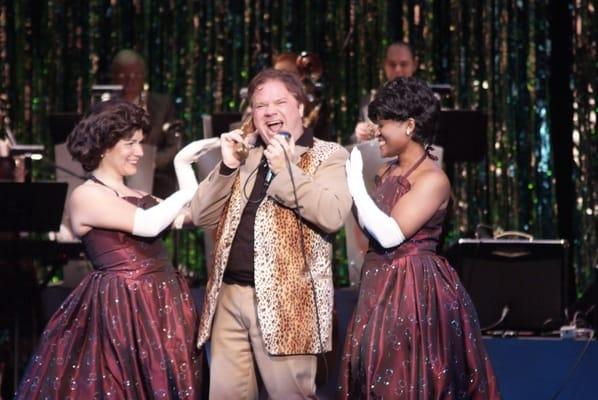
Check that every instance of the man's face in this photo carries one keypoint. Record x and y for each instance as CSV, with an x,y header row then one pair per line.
x,y
131,77
399,63
274,109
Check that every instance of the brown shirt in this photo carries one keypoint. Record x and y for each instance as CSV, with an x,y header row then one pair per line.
x,y
240,269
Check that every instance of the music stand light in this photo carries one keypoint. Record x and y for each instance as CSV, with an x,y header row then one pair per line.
x,y
107,92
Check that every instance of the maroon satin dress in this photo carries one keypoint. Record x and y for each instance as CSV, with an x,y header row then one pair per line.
x,y
128,330
414,333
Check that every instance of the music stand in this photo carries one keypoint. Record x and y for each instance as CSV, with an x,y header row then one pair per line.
x,y
107,92
462,134
61,125
31,207
444,94
218,123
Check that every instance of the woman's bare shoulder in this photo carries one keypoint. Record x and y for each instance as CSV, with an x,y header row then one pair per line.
x,y
432,178
90,191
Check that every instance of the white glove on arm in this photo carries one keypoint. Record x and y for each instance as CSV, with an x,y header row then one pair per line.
x,y
154,220
382,227
186,156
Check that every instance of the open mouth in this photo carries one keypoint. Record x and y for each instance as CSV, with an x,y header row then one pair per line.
x,y
274,126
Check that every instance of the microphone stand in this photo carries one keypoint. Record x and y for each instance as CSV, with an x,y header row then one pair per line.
x,y
176,233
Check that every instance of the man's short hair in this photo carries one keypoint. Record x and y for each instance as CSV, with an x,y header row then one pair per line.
x,y
127,57
290,81
404,45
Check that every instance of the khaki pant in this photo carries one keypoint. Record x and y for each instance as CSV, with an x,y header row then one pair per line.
x,y
237,347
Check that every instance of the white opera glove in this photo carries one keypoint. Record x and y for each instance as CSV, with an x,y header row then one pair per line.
x,y
381,226
186,156
151,222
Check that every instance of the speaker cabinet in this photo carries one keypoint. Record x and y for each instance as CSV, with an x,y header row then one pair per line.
x,y
517,285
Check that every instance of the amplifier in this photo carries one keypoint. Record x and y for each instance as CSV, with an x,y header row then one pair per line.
x,y
518,285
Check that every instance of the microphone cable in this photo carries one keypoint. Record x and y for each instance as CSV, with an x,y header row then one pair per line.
x,y
573,367
244,191
503,315
305,265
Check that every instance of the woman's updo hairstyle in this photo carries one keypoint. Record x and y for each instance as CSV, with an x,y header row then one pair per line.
x,y
404,98
105,124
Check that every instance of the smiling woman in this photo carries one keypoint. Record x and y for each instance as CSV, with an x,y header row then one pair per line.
x,y
133,315
125,155
106,124
403,341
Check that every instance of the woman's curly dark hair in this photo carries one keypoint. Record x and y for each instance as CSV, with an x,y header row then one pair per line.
x,y
404,98
105,124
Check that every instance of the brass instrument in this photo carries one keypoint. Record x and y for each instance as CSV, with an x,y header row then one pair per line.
x,y
310,70
310,66
312,116
247,128
142,102
373,131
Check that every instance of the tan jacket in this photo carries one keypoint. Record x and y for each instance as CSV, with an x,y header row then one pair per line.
x,y
324,198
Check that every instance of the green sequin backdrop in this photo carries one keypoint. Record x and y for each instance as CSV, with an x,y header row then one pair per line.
x,y
495,54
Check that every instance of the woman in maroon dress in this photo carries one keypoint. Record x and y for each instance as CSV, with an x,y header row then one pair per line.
x,y
128,330
414,332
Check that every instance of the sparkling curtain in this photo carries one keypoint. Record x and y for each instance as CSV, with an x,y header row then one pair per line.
x,y
494,53
585,138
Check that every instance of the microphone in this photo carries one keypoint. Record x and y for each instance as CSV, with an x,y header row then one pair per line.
x,y
270,174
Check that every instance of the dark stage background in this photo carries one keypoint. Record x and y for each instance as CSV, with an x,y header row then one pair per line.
x,y
531,66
